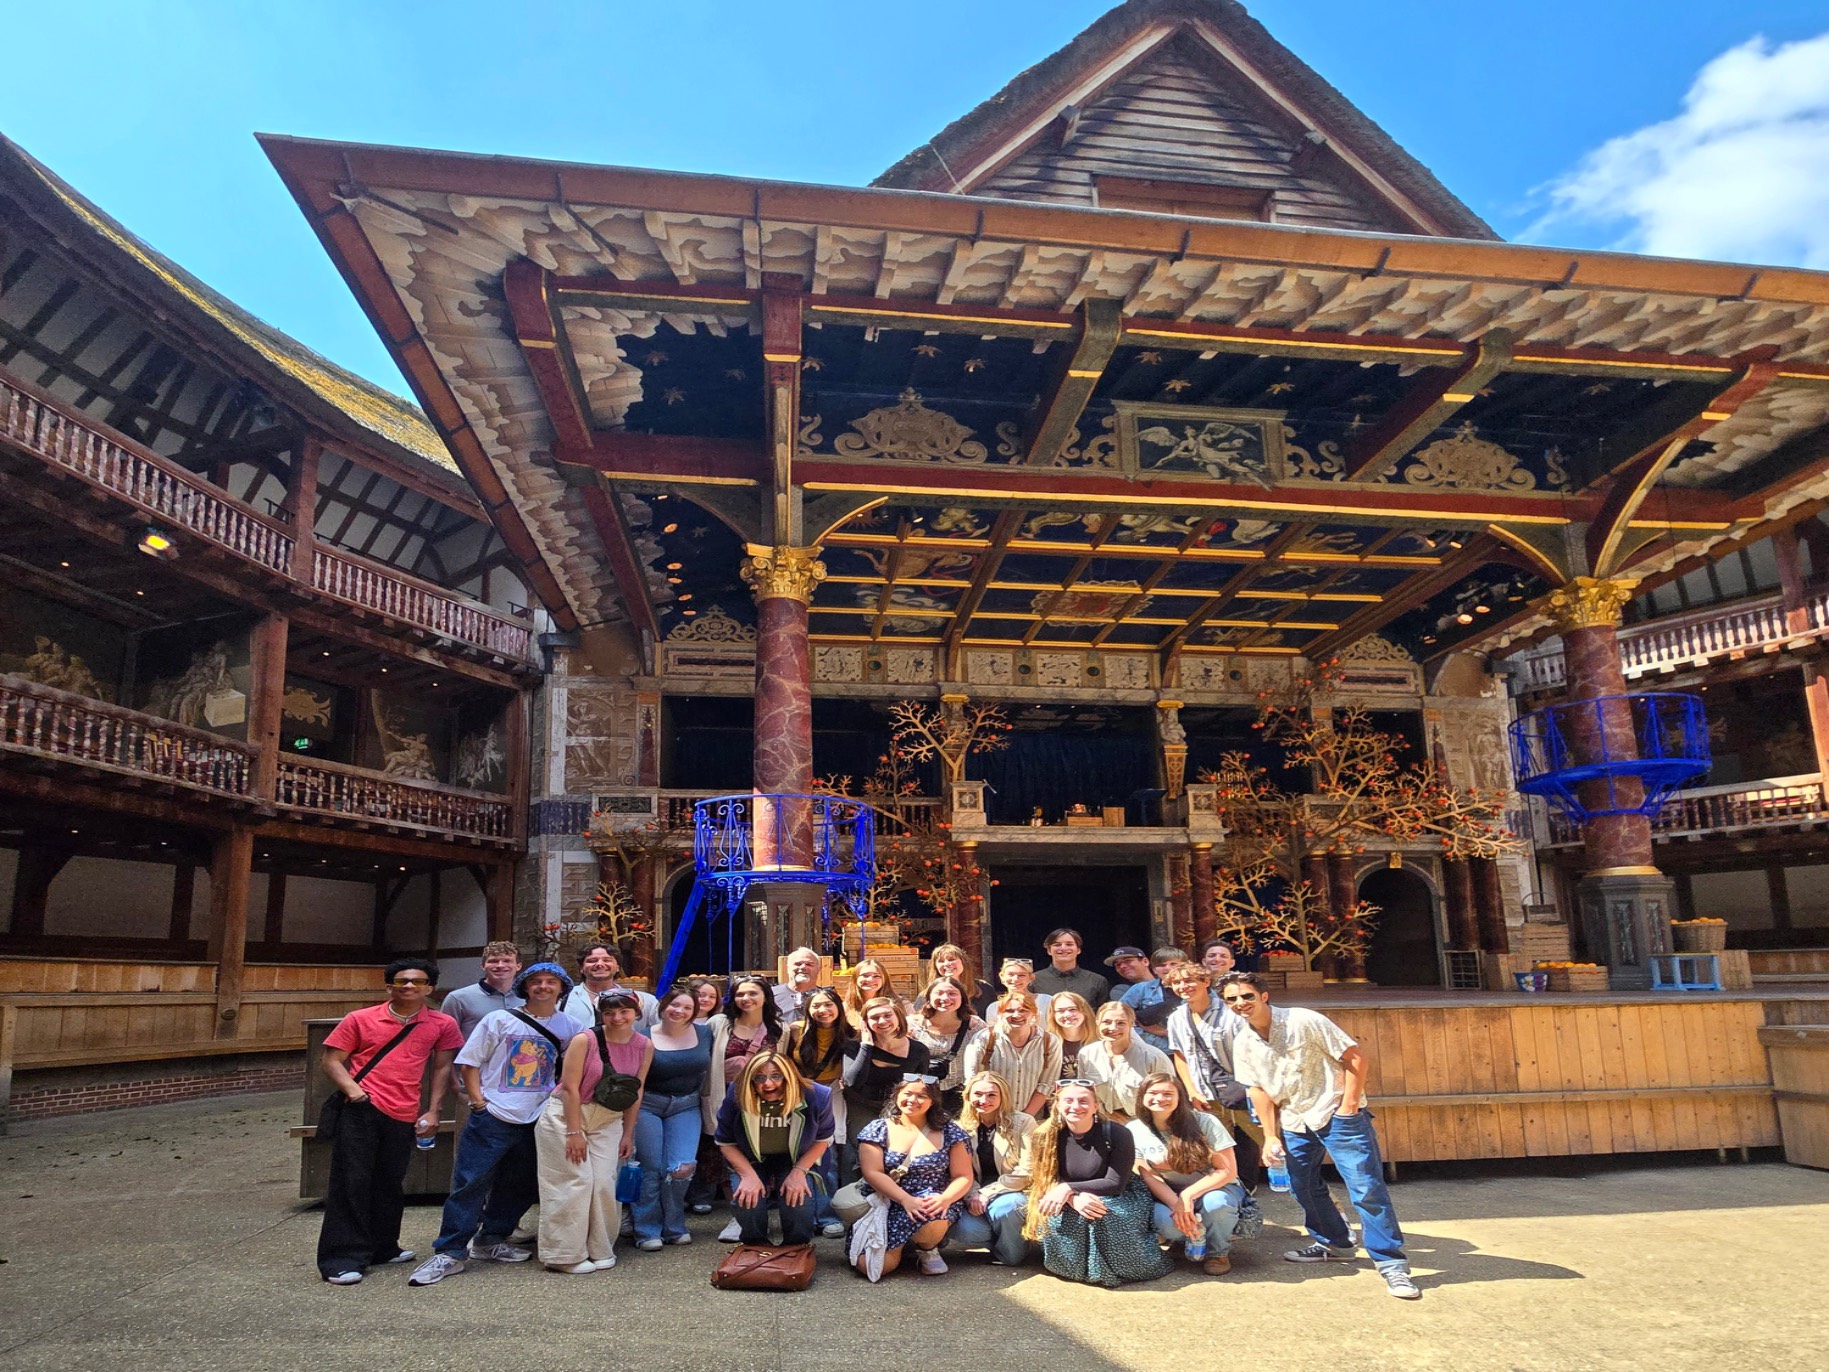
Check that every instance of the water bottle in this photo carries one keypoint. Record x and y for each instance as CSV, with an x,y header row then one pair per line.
x,y
425,1143
1196,1249
1277,1174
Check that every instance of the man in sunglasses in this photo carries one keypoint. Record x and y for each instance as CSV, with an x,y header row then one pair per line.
x,y
380,1117
1307,1079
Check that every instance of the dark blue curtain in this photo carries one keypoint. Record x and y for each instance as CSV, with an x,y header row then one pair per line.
x,y
1055,771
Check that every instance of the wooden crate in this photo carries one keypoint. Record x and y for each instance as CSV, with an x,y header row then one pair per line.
x,y
1113,817
1274,981
1299,980
1540,943
1577,978
1799,1055
1085,821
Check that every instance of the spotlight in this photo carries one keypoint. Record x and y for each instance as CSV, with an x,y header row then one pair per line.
x,y
671,529
155,542
1463,618
1482,609
1456,543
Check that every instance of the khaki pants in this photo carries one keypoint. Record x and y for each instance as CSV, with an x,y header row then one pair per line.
x,y
579,1215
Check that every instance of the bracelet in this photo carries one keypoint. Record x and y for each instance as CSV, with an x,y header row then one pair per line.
x,y
574,1133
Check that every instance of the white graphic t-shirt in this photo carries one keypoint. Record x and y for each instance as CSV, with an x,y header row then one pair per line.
x,y
518,1064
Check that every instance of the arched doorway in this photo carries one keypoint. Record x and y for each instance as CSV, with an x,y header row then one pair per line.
x,y
1403,951
710,949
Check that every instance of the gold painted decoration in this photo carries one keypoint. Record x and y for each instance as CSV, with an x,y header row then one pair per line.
x,y
1467,462
782,572
907,431
714,626
1375,648
1186,442
1588,602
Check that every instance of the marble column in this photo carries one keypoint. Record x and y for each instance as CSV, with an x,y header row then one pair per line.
x,y
1343,894
965,922
1626,902
1200,894
1181,901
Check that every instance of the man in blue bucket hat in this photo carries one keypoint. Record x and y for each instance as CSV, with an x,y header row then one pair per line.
x,y
510,1067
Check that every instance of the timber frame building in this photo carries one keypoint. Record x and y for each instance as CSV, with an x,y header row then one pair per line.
x,y
1155,380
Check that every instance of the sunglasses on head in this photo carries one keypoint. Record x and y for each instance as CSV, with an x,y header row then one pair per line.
x,y
910,1078
1077,1081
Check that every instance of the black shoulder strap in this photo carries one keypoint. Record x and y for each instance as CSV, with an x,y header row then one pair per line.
x,y
541,1029
603,1047
386,1048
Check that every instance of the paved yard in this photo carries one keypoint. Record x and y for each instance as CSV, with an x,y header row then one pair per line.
x,y
170,1237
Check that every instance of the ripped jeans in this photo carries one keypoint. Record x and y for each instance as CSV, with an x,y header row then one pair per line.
x,y
667,1146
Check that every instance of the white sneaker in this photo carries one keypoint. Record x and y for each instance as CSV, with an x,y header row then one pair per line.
x,y
832,1229
603,1264
577,1269
731,1233
404,1255
930,1262
679,1239
344,1278
435,1269
648,1245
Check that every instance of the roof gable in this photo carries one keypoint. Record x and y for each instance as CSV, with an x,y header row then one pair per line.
x,y
1192,91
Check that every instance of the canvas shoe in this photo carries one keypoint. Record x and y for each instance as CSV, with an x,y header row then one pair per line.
x,y
435,1269
1397,1282
731,1233
832,1229
1250,1220
604,1264
1320,1252
498,1252
648,1245
577,1269
405,1255
679,1239
930,1262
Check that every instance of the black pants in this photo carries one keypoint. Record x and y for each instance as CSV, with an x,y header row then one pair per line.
x,y
363,1204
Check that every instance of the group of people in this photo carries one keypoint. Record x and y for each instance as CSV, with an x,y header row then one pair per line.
x,y
1104,1131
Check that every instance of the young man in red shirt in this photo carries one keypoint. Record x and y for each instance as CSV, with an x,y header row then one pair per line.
x,y
380,1117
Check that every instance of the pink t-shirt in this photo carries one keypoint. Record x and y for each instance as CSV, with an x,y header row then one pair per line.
x,y
738,1051
394,1085
624,1057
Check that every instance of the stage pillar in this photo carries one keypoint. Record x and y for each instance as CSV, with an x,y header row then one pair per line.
x,y
1200,894
1180,875
1458,900
1343,895
1489,905
1625,900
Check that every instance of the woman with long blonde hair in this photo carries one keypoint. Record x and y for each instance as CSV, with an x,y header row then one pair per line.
x,y
1186,1159
772,1130
998,1205
1087,1206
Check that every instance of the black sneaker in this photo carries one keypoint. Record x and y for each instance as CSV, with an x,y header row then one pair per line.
x,y
1320,1252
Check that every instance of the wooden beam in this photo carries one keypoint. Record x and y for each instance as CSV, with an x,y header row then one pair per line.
x,y
533,315
1608,541
1411,593
302,505
499,898
1170,648
605,510
231,861
1430,403
1074,381
40,860
1003,529
266,697
781,351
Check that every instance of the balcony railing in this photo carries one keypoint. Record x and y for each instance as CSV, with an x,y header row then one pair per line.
x,y
37,721
1776,803
630,807
169,494
1690,640
350,793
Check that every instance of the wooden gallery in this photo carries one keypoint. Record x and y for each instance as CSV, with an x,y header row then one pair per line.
x,y
1156,503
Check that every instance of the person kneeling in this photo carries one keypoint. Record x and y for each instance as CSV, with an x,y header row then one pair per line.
x,y
1186,1160
1087,1205
772,1130
996,1208
918,1164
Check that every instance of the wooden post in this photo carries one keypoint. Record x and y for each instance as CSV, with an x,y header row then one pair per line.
x,y
231,861
1463,919
1343,894
1816,705
1790,580
183,893
1489,905
266,696
520,760
435,909
273,922
39,864
1181,901
302,504
498,891
9,1034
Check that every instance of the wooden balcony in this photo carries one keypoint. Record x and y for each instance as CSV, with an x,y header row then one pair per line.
x,y
332,792
49,726
634,807
1746,807
1695,639
116,468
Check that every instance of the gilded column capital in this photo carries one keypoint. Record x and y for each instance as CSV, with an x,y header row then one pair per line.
x,y
1589,602
782,571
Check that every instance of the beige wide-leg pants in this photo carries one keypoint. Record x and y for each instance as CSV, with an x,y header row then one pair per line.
x,y
579,1216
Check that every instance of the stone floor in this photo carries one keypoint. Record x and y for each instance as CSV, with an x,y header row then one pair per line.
x,y
171,1237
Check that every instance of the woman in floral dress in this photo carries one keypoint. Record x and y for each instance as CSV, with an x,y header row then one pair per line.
x,y
920,1162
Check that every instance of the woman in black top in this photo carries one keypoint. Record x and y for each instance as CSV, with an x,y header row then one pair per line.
x,y
874,1066
1087,1206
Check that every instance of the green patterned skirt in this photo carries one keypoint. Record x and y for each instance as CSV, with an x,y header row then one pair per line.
x,y
1111,1251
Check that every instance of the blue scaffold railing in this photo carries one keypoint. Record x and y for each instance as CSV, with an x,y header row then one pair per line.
x,y
747,840
1627,753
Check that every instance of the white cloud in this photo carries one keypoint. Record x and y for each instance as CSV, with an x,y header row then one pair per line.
x,y
1742,174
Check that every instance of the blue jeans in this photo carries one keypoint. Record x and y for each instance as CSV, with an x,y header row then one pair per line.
x,y
1353,1145
1218,1211
667,1146
827,1167
999,1229
797,1221
493,1181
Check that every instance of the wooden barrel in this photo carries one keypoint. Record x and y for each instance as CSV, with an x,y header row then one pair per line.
x,y
1800,1081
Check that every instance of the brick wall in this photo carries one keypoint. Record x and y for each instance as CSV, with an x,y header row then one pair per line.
x,y
162,1084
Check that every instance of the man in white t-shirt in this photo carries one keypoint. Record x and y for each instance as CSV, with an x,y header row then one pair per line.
x,y
511,1067
1307,1079
599,966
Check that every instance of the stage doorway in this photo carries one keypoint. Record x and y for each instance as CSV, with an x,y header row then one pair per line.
x,y
1404,949
1108,905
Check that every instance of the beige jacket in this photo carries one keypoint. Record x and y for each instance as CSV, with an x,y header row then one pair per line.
x,y
1012,1150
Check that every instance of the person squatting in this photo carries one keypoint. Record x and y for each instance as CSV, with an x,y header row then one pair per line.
x,y
1104,1134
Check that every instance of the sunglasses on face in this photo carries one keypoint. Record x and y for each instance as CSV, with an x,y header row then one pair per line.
x,y
409,981
1245,999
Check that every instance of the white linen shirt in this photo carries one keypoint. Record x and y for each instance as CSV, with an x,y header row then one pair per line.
x,y
1298,1067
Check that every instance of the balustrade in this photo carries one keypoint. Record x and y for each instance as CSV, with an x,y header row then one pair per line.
x,y
1680,641
1714,809
47,723
329,788
183,500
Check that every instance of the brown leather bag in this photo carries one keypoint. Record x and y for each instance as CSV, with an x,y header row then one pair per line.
x,y
754,1267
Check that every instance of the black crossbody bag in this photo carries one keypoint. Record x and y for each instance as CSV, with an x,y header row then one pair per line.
x,y
330,1114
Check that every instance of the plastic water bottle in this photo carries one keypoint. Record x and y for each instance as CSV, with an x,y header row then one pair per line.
x,y
1196,1249
425,1143
1277,1174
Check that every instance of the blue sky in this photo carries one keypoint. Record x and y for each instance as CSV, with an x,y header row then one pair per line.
x,y
1580,122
